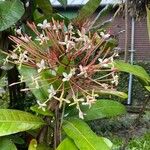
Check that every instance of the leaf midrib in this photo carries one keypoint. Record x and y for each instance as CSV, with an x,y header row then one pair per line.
x,y
81,134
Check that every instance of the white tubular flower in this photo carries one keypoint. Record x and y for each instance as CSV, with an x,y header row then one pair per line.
x,y
83,71
14,56
18,31
23,57
115,79
69,44
35,81
27,4
70,27
44,25
104,63
51,92
82,37
90,99
41,105
104,36
41,65
81,114
67,77
41,38
72,71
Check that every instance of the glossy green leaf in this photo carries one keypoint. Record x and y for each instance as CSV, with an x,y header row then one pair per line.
x,y
83,136
13,121
45,6
10,12
87,10
63,3
148,88
29,74
148,21
133,69
67,143
103,109
7,144
40,111
108,142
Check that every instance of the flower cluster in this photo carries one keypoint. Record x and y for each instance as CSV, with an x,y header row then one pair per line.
x,y
80,63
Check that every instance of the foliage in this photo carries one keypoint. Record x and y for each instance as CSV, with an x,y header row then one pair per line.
x,y
11,12
66,67
139,94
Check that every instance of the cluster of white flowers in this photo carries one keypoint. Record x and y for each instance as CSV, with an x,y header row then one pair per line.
x,y
56,48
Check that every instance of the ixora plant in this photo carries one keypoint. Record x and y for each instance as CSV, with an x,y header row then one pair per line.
x,y
67,69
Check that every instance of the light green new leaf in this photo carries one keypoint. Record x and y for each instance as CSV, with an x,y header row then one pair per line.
x,y
133,69
148,88
87,10
63,3
33,145
83,136
103,109
45,6
67,143
7,144
148,21
13,121
10,12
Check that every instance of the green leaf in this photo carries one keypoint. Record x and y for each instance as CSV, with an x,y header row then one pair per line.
x,y
13,121
45,6
43,146
4,66
133,69
7,144
63,3
10,12
148,88
148,21
103,108
108,142
33,145
40,93
83,136
40,111
87,10
67,142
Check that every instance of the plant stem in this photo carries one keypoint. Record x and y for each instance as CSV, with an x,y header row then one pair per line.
x,y
57,127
